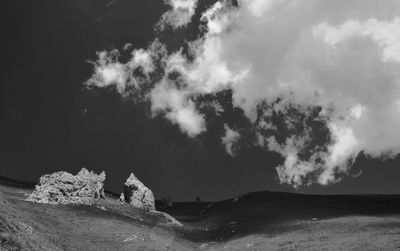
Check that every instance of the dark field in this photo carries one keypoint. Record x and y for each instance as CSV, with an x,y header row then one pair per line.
x,y
256,221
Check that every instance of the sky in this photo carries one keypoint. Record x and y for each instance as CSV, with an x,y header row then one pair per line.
x,y
204,98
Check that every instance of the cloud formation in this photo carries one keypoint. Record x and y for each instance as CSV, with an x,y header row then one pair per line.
x,y
229,139
319,80
180,15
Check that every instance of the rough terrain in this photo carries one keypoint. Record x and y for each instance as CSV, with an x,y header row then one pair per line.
x,y
83,188
137,194
256,221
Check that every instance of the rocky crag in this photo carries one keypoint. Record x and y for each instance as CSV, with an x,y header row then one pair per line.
x,y
137,194
85,188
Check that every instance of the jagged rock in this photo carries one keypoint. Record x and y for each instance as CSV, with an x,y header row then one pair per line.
x,y
137,194
122,197
64,188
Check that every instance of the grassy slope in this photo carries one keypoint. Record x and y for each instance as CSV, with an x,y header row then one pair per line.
x,y
17,230
119,227
257,221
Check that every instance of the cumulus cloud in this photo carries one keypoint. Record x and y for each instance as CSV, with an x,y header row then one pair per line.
x,y
319,80
180,15
108,71
177,107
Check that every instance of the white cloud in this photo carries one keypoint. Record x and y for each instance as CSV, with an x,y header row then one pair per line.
x,y
385,33
261,8
293,171
218,17
229,139
180,15
177,107
108,71
342,150
142,58
342,56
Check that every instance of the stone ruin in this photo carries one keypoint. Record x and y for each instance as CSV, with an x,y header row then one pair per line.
x,y
137,194
85,188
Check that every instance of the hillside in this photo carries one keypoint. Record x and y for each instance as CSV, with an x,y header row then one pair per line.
x,y
256,221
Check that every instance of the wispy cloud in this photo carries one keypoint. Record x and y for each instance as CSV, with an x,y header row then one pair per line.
x,y
229,139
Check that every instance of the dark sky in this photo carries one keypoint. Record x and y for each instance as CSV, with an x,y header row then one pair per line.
x,y
44,127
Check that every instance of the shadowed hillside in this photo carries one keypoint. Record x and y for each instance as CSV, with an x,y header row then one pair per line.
x,y
261,211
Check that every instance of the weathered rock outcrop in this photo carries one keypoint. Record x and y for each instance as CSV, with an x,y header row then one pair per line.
x,y
137,194
64,188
